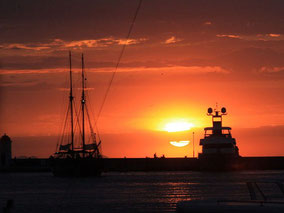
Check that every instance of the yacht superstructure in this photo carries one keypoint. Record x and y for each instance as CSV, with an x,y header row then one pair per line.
x,y
219,149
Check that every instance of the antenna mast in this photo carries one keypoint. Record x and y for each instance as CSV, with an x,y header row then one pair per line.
x,y
193,144
71,105
83,102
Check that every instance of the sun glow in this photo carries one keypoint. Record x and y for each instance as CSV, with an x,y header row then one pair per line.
x,y
178,126
179,143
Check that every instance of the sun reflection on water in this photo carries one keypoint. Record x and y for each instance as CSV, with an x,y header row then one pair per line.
x,y
179,143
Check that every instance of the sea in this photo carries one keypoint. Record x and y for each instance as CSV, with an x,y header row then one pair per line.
x,y
130,192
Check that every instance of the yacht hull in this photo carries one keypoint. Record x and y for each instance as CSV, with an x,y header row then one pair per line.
x,y
218,162
68,167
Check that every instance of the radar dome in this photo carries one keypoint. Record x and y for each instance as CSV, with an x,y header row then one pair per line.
x,y
210,110
223,110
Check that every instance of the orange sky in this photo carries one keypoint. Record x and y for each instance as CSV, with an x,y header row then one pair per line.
x,y
182,57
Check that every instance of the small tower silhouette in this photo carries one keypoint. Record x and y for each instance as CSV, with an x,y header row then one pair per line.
x,y
5,151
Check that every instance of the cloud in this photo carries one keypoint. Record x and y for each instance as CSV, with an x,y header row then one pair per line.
x,y
274,35
104,42
172,40
271,69
208,23
34,46
254,37
277,72
175,69
77,44
227,36
23,46
181,69
266,37
31,71
242,62
130,41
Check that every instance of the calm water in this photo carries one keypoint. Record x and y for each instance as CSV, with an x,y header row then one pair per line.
x,y
126,192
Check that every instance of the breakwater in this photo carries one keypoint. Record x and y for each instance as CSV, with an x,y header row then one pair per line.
x,y
261,163
151,164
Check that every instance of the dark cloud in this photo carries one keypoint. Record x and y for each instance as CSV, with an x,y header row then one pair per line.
x,y
24,87
26,21
241,36
33,62
71,20
249,61
52,62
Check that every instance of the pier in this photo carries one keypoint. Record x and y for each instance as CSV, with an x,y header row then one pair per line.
x,y
150,164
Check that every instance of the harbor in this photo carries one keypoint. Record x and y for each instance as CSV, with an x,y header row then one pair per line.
x,y
219,153
142,106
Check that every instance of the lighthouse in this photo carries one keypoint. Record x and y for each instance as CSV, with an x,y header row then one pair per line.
x,y
5,151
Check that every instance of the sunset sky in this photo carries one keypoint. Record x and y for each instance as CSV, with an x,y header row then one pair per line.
x,y
182,57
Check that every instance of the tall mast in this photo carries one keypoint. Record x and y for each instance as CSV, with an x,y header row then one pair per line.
x,y
71,105
83,101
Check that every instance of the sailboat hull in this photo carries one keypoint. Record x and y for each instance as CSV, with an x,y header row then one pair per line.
x,y
84,167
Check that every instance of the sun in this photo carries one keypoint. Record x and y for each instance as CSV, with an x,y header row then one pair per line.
x,y
177,126
179,143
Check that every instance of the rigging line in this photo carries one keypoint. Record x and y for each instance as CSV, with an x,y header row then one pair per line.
x,y
60,140
93,134
63,120
119,59
92,116
78,121
64,126
97,133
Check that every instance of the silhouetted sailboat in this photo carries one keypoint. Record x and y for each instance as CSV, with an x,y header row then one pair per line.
x,y
77,157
